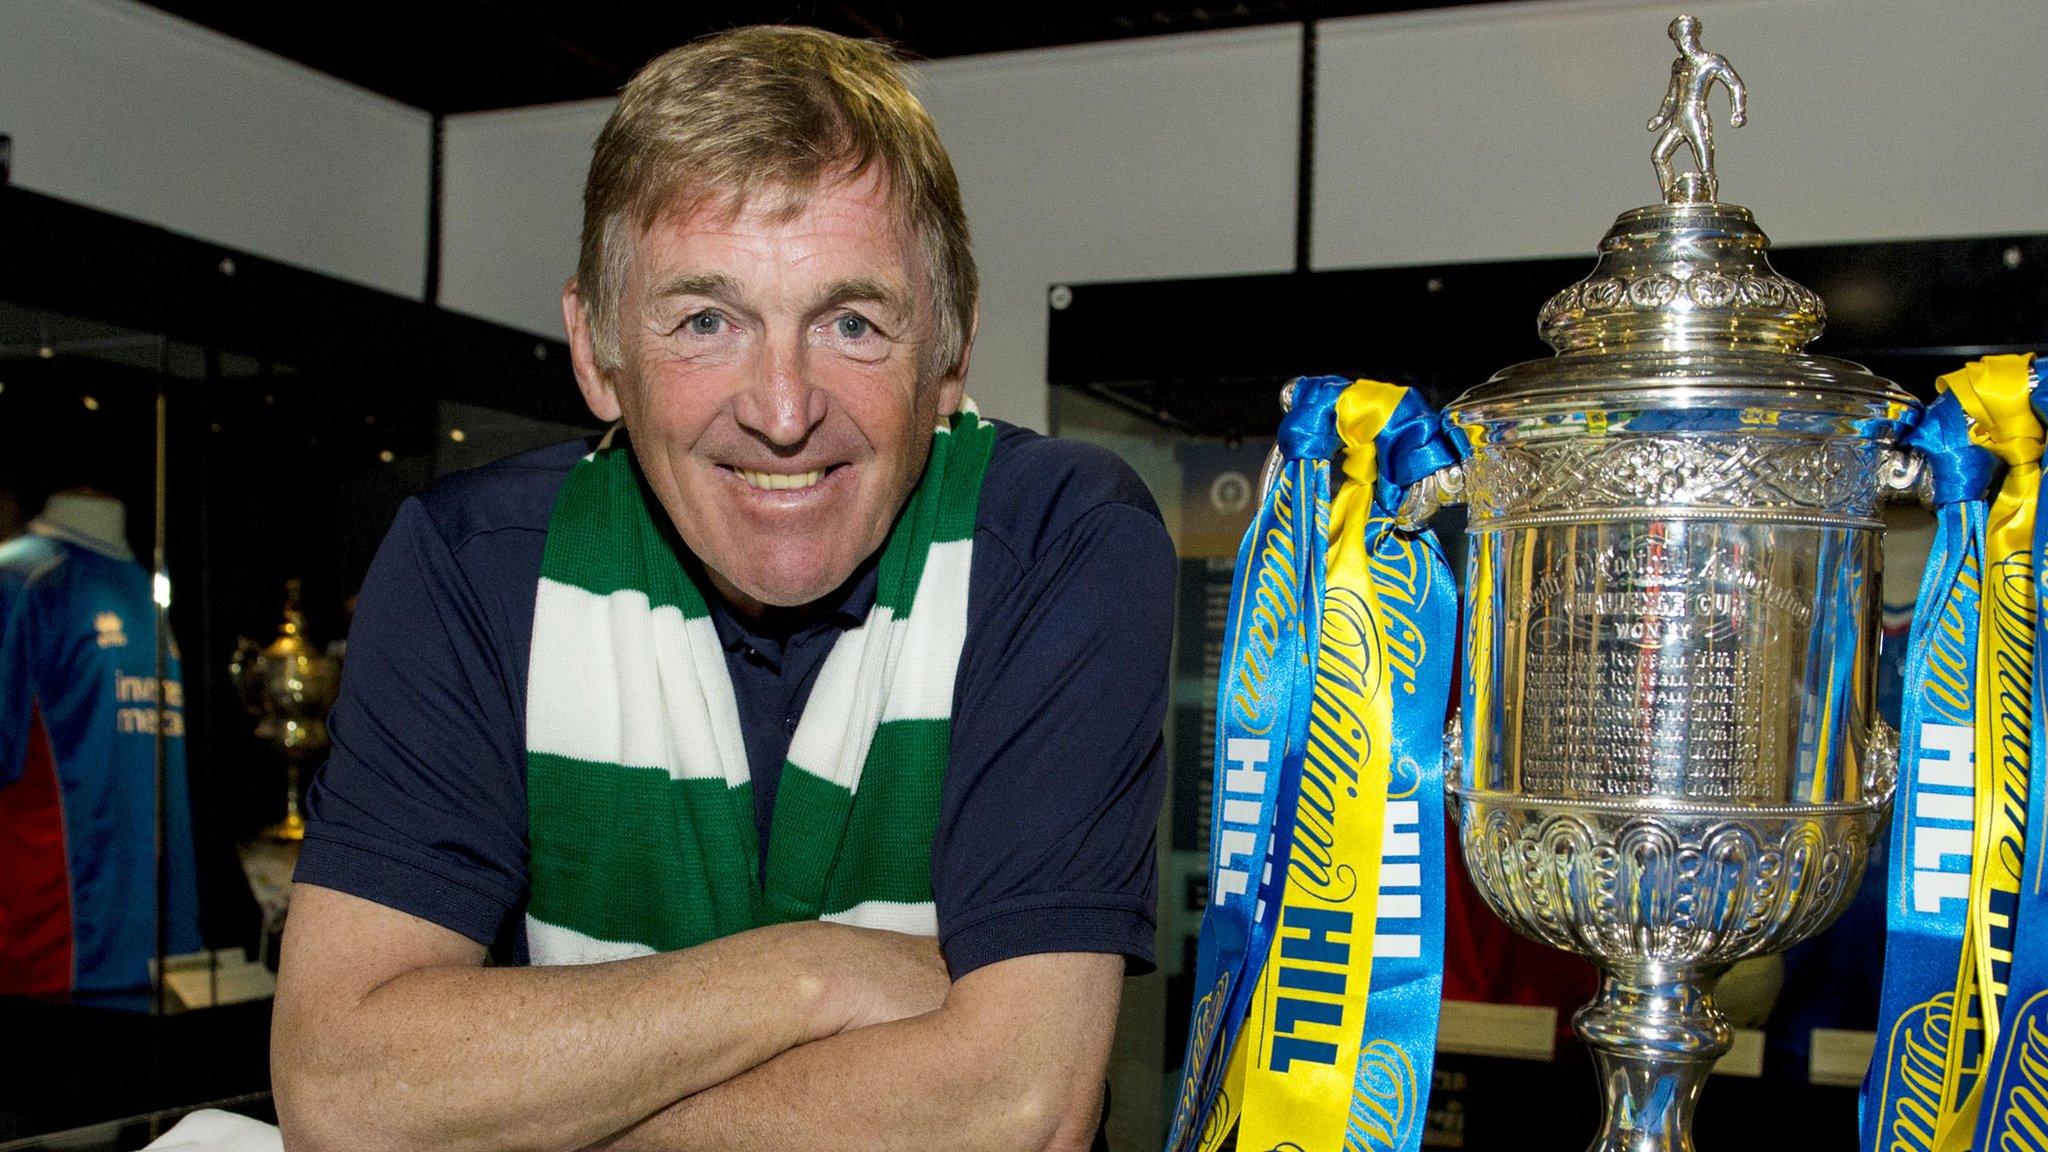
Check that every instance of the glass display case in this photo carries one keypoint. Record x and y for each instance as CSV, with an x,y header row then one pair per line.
x,y
199,454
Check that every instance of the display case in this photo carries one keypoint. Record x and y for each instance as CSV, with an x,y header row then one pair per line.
x,y
227,440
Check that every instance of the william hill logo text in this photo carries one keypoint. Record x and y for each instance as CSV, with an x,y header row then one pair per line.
x,y
1315,951
1944,812
1244,814
1315,947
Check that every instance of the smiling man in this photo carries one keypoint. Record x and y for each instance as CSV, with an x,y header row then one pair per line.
x,y
780,771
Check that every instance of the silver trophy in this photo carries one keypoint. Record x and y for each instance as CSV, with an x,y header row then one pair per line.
x,y
1672,759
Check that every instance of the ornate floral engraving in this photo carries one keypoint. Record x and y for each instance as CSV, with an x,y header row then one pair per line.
x,y
1881,762
1653,291
1671,886
1766,473
1711,290
1703,289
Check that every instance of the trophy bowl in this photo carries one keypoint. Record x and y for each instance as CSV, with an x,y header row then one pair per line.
x,y
1671,757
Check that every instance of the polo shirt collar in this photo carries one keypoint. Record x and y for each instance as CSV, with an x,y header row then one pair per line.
x,y
844,607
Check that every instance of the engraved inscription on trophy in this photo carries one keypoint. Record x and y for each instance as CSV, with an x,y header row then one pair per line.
x,y
1640,671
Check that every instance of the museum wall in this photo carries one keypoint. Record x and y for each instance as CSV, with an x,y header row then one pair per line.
x,y
1145,159
512,206
1518,130
1481,133
135,112
1171,156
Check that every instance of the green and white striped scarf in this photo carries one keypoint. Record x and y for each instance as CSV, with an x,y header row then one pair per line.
x,y
640,810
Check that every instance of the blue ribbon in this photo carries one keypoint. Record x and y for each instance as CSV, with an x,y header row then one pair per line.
x,y
1246,896
1309,430
1414,443
1928,890
1961,471
2015,1110
1262,712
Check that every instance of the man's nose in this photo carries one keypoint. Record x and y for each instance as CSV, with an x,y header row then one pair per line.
x,y
779,404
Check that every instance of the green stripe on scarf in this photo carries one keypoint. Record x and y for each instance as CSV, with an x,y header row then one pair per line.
x,y
606,489
639,801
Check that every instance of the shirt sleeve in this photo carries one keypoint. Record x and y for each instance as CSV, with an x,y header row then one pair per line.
x,y
421,805
1054,784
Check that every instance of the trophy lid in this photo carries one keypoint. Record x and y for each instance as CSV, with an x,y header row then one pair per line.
x,y
291,631
1683,291
1683,276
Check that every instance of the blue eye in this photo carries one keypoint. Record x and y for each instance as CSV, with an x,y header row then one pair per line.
x,y
704,324
851,327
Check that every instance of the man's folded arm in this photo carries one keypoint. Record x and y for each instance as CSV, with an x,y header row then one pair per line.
x,y
390,1032
1013,1061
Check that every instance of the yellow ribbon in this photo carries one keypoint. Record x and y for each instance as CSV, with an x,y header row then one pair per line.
x,y
1338,832
1994,391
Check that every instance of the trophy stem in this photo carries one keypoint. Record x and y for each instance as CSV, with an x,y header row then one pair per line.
x,y
293,826
1655,1035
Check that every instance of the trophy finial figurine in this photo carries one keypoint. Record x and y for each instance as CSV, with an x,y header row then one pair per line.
x,y
1683,118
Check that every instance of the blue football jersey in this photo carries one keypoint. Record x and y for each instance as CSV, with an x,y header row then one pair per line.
x,y
78,726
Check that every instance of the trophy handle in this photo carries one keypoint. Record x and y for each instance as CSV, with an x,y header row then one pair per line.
x,y
1904,475
1271,472
1881,764
1454,767
1424,498
242,673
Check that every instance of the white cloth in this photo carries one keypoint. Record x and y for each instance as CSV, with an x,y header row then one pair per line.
x,y
211,1130
96,522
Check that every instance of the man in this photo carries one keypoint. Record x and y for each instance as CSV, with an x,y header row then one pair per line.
x,y
710,714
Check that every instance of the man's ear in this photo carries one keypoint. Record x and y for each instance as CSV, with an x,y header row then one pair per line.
x,y
953,385
594,382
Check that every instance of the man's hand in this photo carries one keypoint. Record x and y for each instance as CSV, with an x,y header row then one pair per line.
x,y
884,976
389,1032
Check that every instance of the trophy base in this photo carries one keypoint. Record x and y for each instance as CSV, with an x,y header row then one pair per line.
x,y
1654,1036
290,830
1664,895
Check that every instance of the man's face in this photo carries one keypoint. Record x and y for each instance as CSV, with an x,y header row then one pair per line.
x,y
771,380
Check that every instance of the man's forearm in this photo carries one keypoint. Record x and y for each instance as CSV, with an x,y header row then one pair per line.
x,y
1021,1076
452,1057
549,1057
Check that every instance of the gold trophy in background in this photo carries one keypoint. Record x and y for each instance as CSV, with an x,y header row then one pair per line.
x,y
288,686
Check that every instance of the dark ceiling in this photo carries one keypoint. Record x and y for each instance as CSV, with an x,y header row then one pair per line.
x,y
467,55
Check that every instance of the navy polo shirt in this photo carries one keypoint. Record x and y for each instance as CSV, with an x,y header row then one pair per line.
x,y
1056,769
